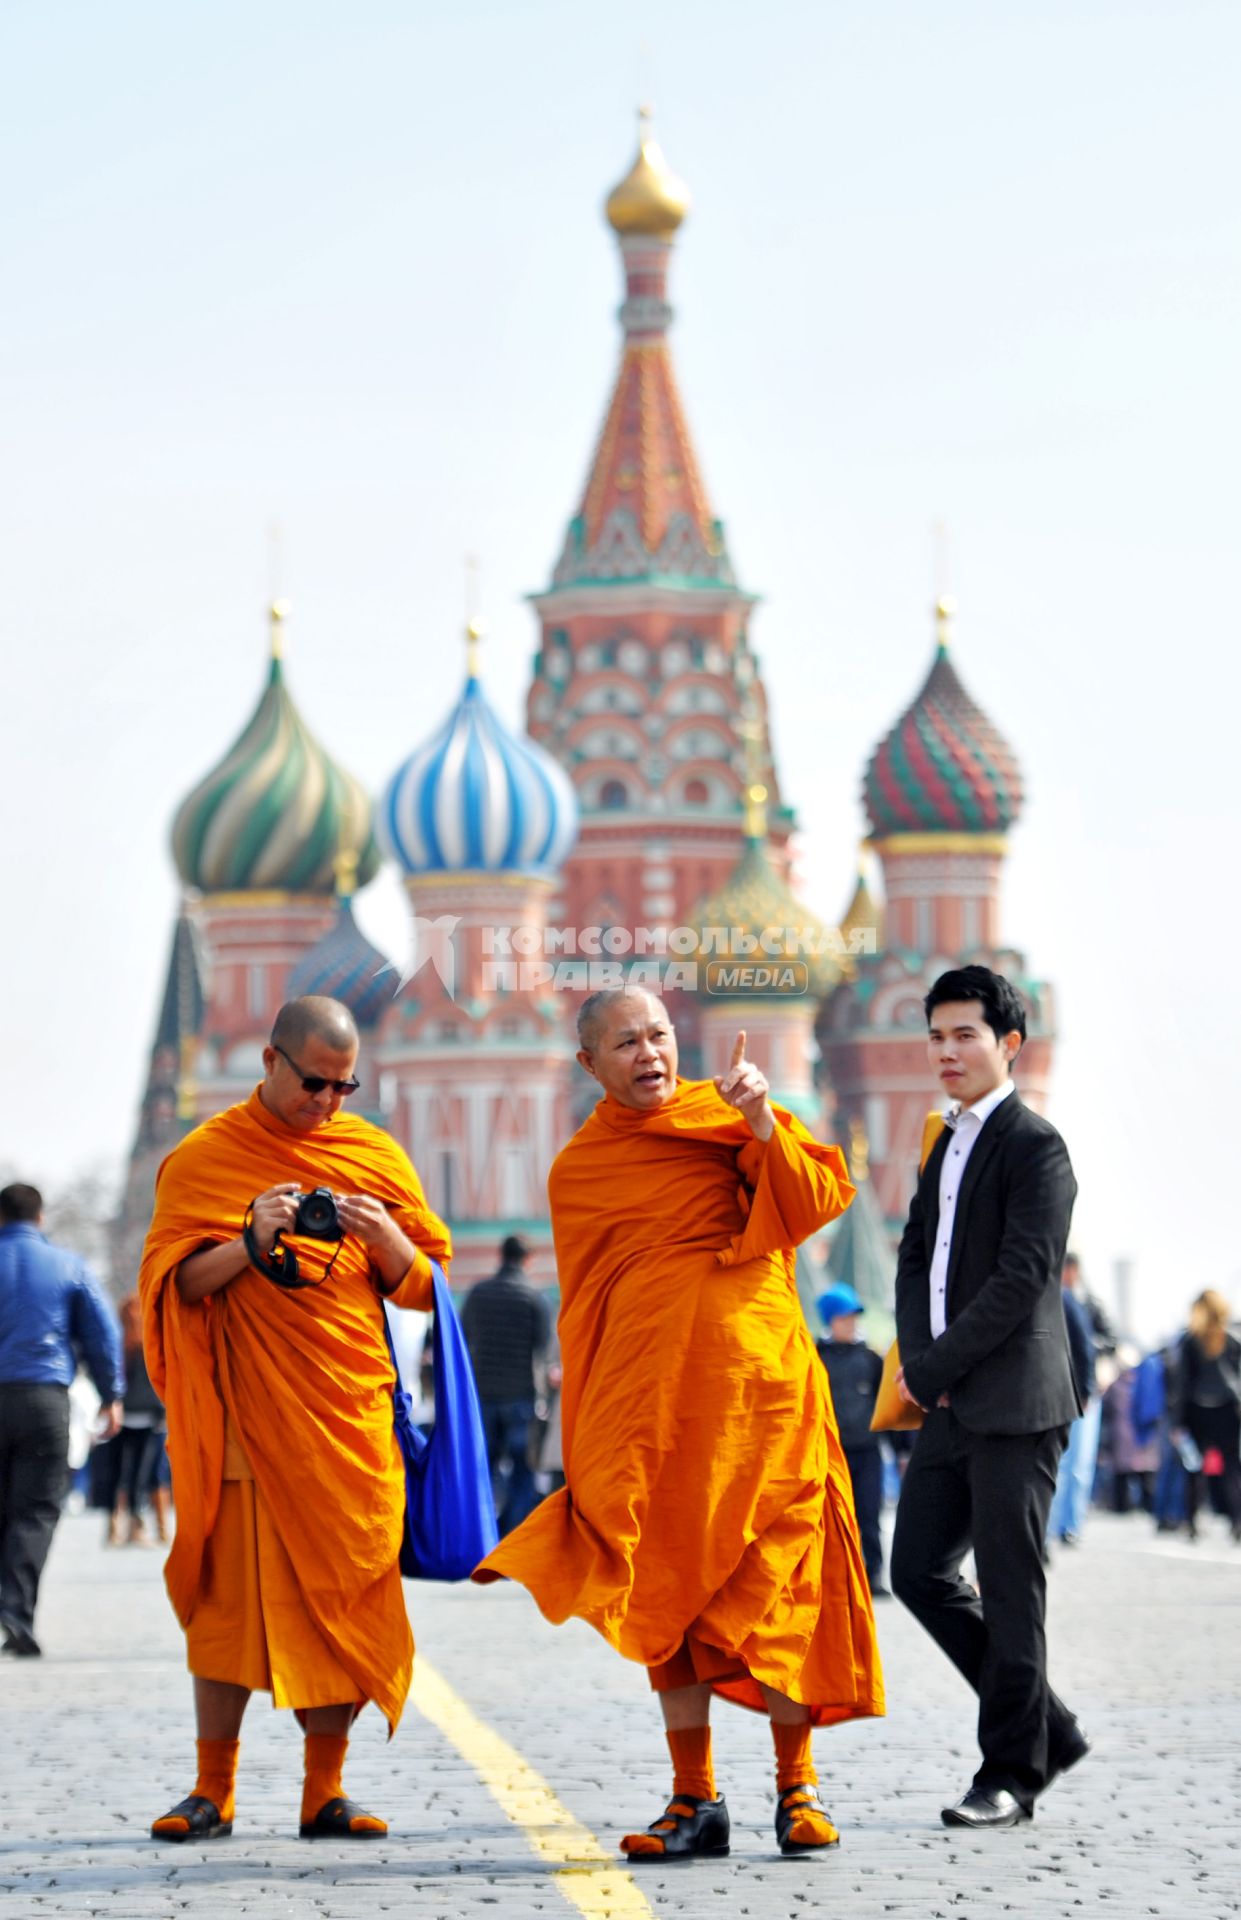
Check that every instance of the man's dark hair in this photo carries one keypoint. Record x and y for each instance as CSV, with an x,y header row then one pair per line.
x,y
20,1203
514,1251
1002,1006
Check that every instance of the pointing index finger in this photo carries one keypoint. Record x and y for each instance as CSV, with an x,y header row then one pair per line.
x,y
738,1049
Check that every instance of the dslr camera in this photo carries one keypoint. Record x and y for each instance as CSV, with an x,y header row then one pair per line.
x,y
317,1218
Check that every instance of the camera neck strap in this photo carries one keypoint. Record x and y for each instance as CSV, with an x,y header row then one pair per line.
x,y
281,1265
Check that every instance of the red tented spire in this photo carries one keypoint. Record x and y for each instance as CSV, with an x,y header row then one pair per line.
x,y
644,512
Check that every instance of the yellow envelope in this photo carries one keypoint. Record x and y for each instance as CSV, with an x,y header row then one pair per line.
x,y
892,1414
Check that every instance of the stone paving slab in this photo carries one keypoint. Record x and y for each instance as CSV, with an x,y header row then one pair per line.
x,y
96,1739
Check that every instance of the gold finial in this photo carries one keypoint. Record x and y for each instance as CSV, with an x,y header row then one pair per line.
x,y
474,632
650,200
859,1152
945,609
751,731
756,811
277,614
186,1090
345,868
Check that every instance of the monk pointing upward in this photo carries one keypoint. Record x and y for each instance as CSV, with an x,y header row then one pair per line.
x,y
706,1526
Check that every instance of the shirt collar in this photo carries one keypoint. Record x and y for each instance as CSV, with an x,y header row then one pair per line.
x,y
981,1109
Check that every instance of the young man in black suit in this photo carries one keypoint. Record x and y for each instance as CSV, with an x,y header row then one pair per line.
x,y
981,1328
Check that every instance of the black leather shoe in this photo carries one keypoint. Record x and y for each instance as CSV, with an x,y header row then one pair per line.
x,y
687,1829
986,1807
18,1639
1070,1750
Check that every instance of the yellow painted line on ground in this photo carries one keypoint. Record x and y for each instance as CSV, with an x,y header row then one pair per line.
x,y
589,1877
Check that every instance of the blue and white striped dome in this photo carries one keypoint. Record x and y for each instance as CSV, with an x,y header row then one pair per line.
x,y
478,799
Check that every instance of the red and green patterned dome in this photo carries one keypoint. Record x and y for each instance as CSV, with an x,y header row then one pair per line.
x,y
944,768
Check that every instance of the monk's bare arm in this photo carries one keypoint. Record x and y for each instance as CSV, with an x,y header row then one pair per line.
x,y
212,1267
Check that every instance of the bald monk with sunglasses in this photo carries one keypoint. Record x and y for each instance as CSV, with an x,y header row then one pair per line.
x,y
706,1527
273,1363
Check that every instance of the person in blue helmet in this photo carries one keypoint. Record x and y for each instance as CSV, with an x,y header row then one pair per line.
x,y
854,1371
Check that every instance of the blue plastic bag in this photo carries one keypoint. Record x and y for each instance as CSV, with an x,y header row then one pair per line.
x,y
450,1516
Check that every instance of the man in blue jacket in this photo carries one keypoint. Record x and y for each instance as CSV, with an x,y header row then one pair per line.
x,y
53,1318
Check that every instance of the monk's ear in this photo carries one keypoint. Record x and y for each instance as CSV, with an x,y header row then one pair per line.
x,y
586,1063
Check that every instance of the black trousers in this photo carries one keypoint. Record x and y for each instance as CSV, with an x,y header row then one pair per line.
x,y
34,1473
866,1473
992,1492
1218,1427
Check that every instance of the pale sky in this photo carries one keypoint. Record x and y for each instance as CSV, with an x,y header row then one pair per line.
x,y
345,269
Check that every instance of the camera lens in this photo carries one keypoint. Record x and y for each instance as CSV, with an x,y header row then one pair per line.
x,y
317,1213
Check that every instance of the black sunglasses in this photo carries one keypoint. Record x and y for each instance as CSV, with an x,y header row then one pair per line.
x,y
314,1082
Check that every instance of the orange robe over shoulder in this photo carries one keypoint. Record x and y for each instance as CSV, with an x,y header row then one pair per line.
x,y
707,1509
305,1379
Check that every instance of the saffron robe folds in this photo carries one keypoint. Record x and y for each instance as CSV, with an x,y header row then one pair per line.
x,y
708,1506
306,1379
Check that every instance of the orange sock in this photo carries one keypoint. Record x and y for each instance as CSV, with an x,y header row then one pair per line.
x,y
325,1762
795,1768
794,1764
692,1771
217,1780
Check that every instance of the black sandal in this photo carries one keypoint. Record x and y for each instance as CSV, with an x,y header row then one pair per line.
x,y
689,1828
202,1821
790,1805
335,1820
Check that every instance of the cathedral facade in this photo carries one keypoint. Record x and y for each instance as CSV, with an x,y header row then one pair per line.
x,y
638,825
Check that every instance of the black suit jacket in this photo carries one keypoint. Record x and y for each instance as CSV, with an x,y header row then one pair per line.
x,y
1004,1359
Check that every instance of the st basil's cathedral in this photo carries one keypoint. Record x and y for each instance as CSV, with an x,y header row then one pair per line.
x,y
644,795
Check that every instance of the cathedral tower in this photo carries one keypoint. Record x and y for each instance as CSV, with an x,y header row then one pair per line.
x,y
941,791
477,1051
644,662
256,844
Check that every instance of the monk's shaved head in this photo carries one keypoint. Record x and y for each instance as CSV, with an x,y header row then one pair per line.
x,y
315,1017
595,1012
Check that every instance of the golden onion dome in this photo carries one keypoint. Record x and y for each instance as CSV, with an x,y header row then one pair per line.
x,y
650,199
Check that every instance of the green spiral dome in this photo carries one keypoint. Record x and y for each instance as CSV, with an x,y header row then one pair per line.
x,y
273,815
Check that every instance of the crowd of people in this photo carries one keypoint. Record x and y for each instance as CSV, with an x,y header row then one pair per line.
x,y
676,1463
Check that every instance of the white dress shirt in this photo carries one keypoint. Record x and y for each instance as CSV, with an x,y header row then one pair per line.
x,y
965,1123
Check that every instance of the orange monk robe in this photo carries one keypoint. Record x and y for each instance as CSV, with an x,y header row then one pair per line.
x,y
306,1380
708,1510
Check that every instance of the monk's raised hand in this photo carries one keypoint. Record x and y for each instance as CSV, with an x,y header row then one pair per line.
x,y
274,1212
745,1088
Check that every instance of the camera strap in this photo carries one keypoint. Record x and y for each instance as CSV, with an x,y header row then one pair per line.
x,y
281,1264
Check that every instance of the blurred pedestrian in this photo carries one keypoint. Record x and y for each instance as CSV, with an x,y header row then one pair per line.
x,y
854,1371
1207,1404
1075,1475
1131,1456
507,1327
53,1317
141,1444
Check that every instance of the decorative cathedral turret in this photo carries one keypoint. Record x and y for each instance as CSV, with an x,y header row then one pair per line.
x,y
764,962
941,791
256,844
169,1101
644,660
477,1048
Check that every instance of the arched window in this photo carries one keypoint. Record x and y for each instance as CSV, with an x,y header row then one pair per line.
x,y
696,793
613,794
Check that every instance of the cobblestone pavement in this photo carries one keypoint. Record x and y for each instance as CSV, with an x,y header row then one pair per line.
x,y
95,1740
